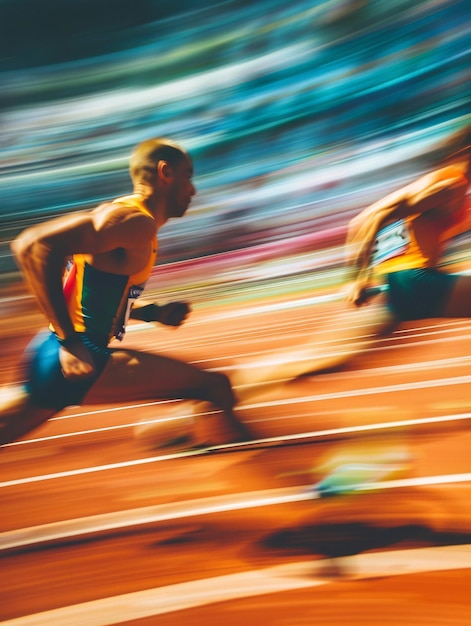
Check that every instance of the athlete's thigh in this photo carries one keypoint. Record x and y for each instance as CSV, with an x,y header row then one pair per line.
x,y
459,301
131,375
348,331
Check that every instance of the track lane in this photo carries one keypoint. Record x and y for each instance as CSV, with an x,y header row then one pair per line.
x,y
434,388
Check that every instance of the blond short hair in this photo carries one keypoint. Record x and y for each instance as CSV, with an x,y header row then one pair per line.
x,y
146,156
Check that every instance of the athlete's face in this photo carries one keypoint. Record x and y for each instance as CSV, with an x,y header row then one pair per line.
x,y
181,189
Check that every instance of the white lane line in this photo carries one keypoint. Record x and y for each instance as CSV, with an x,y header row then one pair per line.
x,y
281,329
458,380
113,409
127,407
276,579
261,335
244,446
91,525
259,309
434,383
77,433
423,481
416,366
99,468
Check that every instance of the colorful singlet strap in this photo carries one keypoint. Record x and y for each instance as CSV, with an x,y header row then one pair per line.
x,y
99,302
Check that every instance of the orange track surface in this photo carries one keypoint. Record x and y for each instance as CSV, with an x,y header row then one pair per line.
x,y
106,517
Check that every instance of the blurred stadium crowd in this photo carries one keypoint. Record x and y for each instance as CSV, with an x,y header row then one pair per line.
x,y
297,114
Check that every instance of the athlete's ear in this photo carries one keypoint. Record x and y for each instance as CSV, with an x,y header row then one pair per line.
x,y
164,171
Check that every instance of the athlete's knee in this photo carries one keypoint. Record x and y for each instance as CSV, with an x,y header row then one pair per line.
x,y
218,390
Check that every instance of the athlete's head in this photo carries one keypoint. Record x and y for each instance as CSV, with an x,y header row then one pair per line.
x,y
167,168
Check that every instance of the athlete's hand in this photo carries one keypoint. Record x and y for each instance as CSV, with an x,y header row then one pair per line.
x,y
76,361
174,313
358,293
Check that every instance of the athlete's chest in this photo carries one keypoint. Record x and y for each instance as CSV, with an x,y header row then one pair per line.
x,y
129,262
418,235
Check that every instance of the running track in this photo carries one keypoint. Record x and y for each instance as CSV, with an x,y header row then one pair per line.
x,y
96,530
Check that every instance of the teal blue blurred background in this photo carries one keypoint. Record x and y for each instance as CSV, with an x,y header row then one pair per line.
x,y
297,115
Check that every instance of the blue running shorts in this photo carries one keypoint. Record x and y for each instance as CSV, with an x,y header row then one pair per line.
x,y
419,293
45,383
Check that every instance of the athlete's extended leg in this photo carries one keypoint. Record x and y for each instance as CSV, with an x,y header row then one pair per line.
x,y
131,376
348,333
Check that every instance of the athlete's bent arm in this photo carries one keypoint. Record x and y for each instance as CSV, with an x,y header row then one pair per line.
x,y
41,252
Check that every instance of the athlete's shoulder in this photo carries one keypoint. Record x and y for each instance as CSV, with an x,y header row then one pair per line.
x,y
124,223
444,184
447,175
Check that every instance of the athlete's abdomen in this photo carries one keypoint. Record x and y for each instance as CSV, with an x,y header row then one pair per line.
x,y
96,300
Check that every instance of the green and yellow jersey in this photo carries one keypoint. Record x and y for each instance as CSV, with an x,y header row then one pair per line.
x,y
99,302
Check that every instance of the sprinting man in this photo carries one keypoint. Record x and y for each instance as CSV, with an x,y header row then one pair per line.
x,y
394,248
87,271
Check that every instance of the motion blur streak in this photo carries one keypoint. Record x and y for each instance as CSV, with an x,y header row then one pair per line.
x,y
297,114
